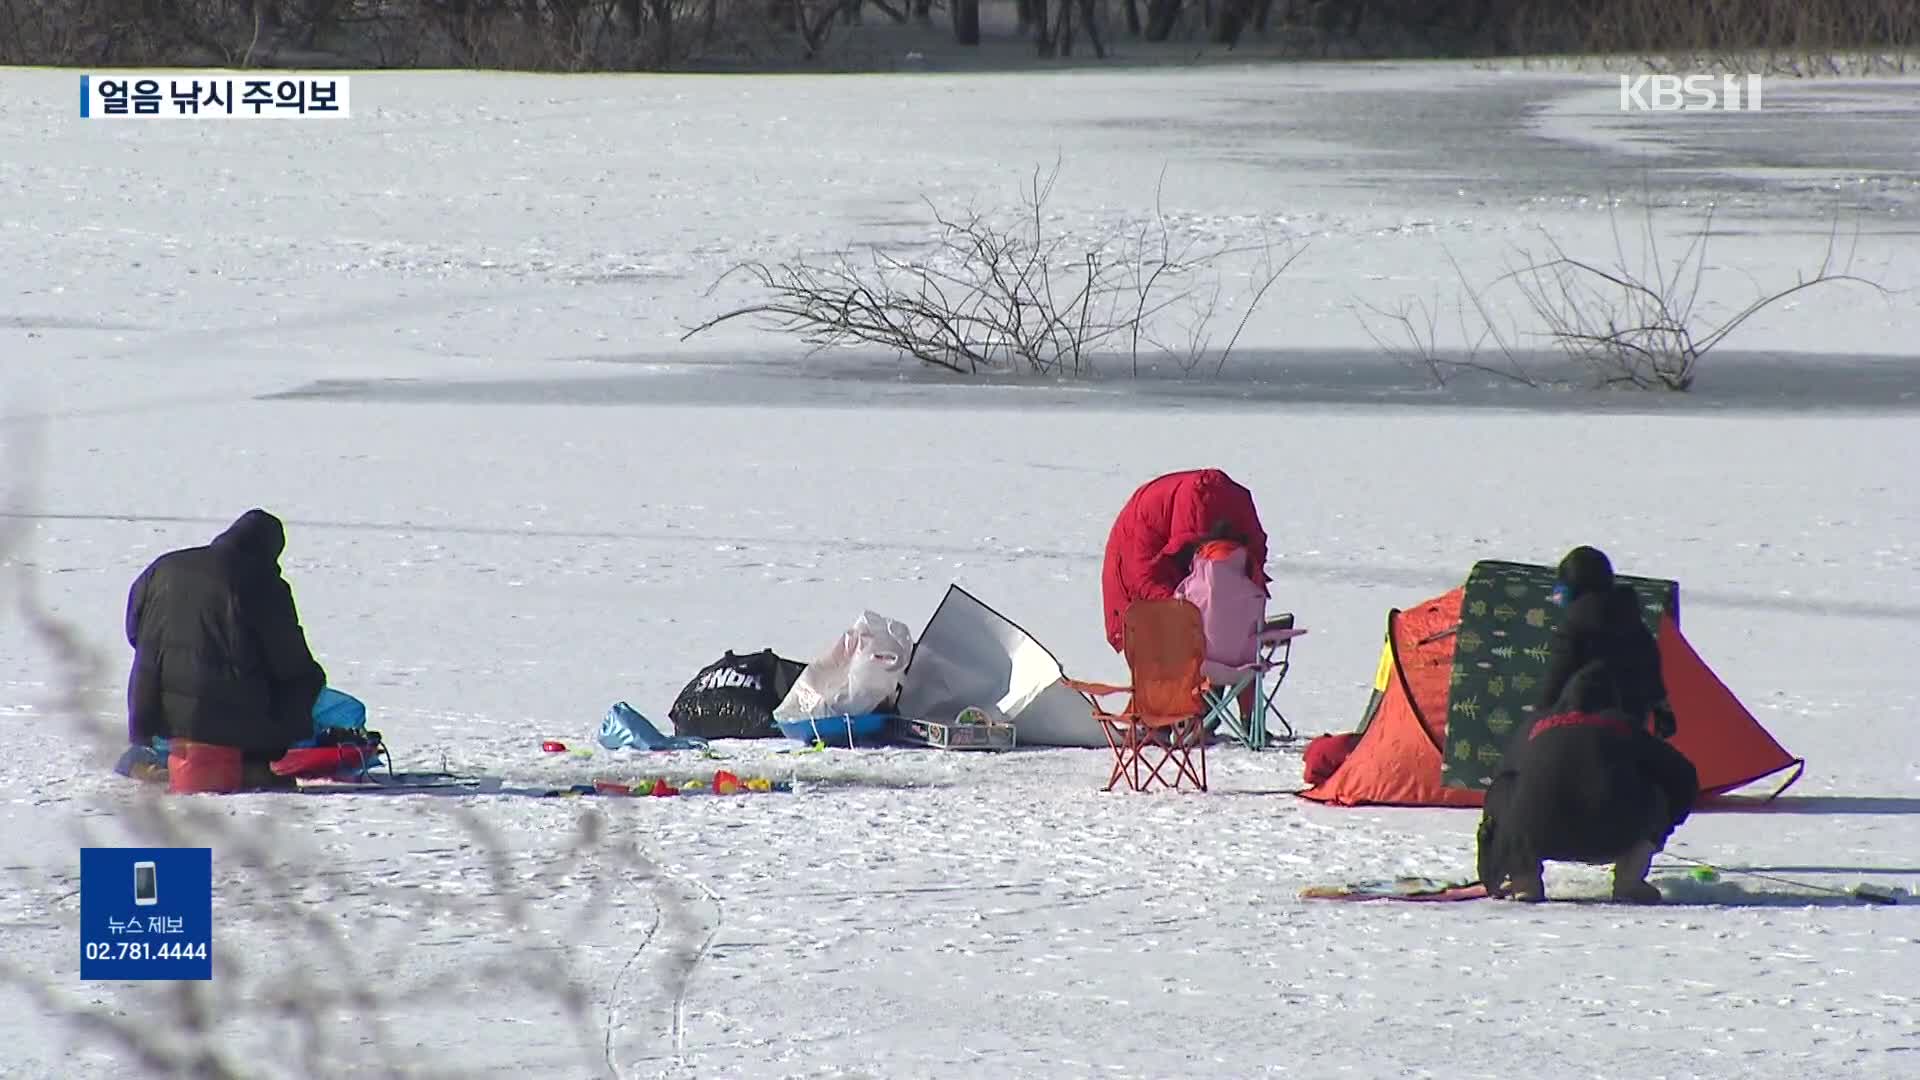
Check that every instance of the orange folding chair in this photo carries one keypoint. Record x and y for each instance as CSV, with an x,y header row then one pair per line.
x,y
1160,728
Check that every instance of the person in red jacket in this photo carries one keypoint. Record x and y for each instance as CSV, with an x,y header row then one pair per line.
x,y
1150,548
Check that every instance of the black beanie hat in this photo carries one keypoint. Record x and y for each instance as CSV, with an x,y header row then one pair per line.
x,y
1586,570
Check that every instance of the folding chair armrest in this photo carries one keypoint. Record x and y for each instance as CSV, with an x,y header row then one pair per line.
x,y
1096,689
1280,634
1229,674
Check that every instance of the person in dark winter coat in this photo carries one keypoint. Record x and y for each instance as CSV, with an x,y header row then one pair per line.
x,y
1151,544
1603,622
219,654
1586,784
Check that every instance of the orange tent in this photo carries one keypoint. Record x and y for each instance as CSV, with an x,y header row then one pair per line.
x,y
1397,760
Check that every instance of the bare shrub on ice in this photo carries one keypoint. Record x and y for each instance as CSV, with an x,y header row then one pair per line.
x,y
1641,323
1412,336
1011,294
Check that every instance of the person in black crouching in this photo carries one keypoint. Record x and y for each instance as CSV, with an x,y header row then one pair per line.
x,y
1586,784
1603,623
219,654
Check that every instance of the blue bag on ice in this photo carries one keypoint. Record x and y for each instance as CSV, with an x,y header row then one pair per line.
x,y
624,727
337,711
341,746
143,762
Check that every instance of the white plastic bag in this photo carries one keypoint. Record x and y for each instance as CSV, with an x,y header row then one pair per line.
x,y
862,670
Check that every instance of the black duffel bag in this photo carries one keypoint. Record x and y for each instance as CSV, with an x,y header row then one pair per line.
x,y
734,697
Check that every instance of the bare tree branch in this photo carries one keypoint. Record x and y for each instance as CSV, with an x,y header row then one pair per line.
x,y
985,296
1637,325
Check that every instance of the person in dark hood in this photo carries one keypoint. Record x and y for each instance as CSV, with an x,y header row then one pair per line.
x,y
1603,622
1586,783
219,654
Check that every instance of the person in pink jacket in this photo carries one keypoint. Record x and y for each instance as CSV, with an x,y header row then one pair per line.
x,y
1232,606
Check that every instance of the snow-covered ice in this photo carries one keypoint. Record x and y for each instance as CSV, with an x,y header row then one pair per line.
x,y
441,340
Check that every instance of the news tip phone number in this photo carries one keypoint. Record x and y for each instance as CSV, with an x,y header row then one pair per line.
x,y
142,950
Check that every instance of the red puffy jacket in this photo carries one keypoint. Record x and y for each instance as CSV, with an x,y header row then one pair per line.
x,y
1159,522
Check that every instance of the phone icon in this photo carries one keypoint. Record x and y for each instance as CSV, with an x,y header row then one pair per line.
x,y
146,885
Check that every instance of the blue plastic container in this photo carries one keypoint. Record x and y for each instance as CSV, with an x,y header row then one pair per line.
x,y
832,730
336,709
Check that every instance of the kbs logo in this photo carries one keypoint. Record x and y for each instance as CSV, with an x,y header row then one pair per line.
x,y
1689,93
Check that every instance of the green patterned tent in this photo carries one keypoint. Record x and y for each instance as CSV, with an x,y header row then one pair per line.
x,y
1500,653
1459,672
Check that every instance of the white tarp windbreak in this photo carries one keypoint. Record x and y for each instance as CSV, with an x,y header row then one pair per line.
x,y
970,654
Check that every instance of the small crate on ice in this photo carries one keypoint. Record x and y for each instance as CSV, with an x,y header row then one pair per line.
x,y
973,729
836,730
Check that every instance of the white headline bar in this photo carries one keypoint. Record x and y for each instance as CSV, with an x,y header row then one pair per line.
x,y
186,95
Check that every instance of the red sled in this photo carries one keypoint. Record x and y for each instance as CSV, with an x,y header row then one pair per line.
x,y
312,762
1418,889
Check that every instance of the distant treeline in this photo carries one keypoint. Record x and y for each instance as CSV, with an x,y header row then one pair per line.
x,y
587,35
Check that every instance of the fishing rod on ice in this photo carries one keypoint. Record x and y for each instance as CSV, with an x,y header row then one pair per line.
x,y
1872,894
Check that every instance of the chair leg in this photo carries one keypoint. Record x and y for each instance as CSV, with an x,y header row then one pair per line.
x,y
1155,769
1130,755
1285,724
1254,701
1124,753
1248,701
1281,659
1273,710
1220,701
1137,744
1231,705
1188,740
1199,779
1172,749
1179,744
1165,745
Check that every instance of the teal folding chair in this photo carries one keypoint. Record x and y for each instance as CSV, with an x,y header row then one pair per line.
x,y
1262,679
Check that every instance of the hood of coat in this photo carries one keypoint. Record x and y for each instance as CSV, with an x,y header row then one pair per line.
x,y
255,537
1227,554
1592,689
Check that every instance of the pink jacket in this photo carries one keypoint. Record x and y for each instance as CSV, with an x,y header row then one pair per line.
x,y
1232,607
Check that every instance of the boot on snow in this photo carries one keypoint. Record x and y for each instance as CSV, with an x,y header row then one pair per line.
x,y
1630,883
1527,887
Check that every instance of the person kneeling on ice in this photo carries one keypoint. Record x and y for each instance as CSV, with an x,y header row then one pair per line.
x,y
1585,784
1603,623
221,665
